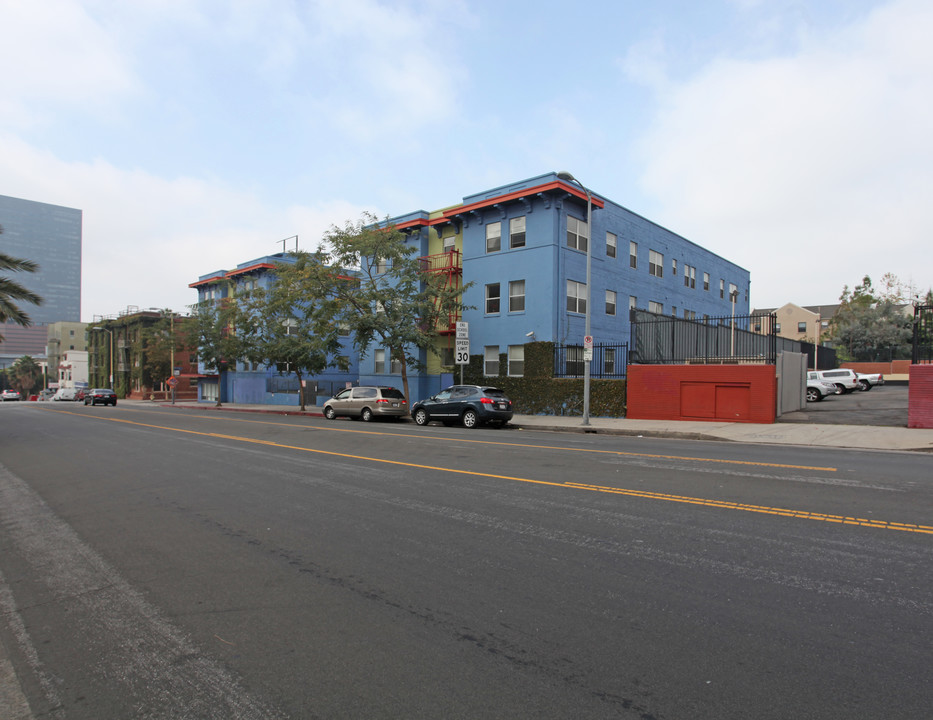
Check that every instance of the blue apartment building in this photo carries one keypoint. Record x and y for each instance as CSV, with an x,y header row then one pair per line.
x,y
523,247
257,384
520,253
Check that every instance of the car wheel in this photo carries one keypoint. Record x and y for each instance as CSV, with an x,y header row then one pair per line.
x,y
813,395
329,413
366,415
840,389
864,385
470,419
420,417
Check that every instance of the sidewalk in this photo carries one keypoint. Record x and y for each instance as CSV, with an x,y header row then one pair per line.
x,y
812,435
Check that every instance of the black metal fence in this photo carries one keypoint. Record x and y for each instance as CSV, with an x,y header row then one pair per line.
x,y
609,361
923,334
661,339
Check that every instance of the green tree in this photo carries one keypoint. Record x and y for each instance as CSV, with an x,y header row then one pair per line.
x,y
26,375
213,333
871,323
160,340
289,324
12,292
386,300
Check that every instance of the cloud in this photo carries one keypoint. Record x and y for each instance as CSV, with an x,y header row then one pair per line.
x,y
812,169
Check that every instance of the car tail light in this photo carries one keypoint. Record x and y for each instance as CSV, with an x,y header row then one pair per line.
x,y
486,401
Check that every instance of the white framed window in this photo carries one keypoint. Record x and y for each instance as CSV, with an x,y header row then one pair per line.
x,y
706,281
802,326
577,233
733,290
449,243
517,232
610,302
493,295
576,296
633,254
673,311
674,266
656,307
632,302
517,296
447,356
690,276
574,360
655,263
516,360
611,242
494,237
380,265
690,314
343,330
395,366
722,288
379,362
491,360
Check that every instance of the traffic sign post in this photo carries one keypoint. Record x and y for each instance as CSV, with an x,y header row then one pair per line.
x,y
462,347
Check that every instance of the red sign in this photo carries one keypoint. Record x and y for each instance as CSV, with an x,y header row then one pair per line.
x,y
172,381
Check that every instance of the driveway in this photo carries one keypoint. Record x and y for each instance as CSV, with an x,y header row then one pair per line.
x,y
883,406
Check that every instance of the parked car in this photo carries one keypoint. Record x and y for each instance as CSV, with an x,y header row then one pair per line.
x,y
366,402
100,395
844,380
818,389
46,394
65,394
10,395
866,381
472,405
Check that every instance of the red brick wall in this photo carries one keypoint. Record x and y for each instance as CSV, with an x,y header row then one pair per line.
x,y
920,397
733,393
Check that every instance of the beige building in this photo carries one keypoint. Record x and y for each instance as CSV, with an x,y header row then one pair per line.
x,y
62,337
809,323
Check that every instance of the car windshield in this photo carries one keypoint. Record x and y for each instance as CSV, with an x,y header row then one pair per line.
x,y
494,392
392,393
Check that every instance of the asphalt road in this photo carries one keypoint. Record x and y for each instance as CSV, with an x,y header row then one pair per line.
x,y
160,563
882,406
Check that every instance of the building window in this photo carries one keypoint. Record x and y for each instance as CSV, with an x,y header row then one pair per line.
x,y
673,311
380,265
690,314
517,296
802,327
491,360
574,362
379,362
576,296
690,276
777,327
674,266
706,281
343,330
611,242
447,356
656,307
733,292
633,254
610,302
395,366
492,299
493,237
609,361
516,360
722,288
632,302
450,243
517,232
577,233
655,263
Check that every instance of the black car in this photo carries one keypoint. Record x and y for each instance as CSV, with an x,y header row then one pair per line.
x,y
472,405
100,395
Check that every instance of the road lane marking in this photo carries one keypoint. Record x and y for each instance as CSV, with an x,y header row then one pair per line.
x,y
519,445
643,494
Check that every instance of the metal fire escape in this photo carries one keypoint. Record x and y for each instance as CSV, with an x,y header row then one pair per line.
x,y
449,266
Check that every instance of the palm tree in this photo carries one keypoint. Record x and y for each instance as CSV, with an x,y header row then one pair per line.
x,y
11,291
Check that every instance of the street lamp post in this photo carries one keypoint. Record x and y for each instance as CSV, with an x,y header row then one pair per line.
x,y
110,333
564,175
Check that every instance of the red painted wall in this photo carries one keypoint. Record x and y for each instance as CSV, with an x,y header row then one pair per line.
x,y
733,393
920,397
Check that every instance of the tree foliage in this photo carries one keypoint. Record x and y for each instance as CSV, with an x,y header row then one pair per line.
x,y
12,292
871,323
213,334
384,297
25,375
290,324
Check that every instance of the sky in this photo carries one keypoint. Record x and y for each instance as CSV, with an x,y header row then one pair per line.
x,y
794,138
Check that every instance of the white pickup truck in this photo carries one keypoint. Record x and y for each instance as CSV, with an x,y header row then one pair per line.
x,y
866,381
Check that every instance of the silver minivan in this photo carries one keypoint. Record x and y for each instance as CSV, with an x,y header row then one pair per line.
x,y
367,402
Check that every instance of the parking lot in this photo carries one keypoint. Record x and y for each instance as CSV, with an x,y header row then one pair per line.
x,y
884,406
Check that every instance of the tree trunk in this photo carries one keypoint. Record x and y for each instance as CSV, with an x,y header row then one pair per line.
x,y
405,379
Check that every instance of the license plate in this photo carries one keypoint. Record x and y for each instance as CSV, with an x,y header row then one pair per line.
x,y
503,406
394,404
